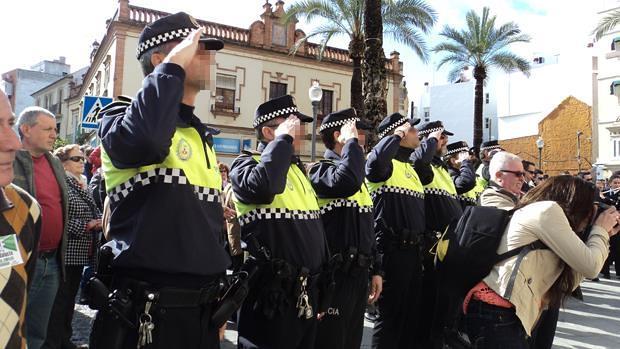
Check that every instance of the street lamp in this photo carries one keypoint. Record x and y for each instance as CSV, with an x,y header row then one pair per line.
x,y
540,143
315,93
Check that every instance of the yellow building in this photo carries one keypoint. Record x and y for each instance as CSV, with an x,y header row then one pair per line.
x,y
559,130
254,66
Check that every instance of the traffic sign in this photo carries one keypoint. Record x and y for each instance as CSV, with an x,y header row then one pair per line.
x,y
91,107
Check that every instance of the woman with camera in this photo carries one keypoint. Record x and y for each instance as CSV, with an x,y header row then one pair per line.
x,y
502,310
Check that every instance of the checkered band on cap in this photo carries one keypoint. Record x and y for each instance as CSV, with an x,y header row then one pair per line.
x,y
337,123
161,175
162,38
429,131
496,146
274,114
391,127
441,192
458,150
396,190
265,213
340,203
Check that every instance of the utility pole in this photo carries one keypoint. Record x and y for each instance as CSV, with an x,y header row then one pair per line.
x,y
579,133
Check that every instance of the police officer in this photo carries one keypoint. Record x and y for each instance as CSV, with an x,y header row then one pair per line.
x,y
461,170
163,184
487,150
442,206
396,187
346,211
281,224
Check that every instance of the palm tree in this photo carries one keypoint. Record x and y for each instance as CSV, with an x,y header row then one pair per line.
x,y
606,24
405,21
373,69
481,46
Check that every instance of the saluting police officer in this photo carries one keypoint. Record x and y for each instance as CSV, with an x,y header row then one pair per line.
x,y
396,187
163,184
346,211
281,224
442,206
461,170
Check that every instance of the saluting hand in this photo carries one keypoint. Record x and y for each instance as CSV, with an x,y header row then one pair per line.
x,y
402,129
437,134
288,127
183,53
347,131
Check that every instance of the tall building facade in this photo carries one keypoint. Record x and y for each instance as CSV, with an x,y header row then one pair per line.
x,y
606,95
254,66
19,84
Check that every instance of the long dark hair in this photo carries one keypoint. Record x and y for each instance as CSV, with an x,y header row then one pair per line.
x,y
576,198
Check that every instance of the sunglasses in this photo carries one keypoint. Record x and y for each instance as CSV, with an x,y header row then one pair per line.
x,y
531,172
77,158
516,173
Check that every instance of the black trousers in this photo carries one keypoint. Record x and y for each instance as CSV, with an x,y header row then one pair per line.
x,y
426,315
343,325
399,303
542,337
284,331
175,327
59,330
614,255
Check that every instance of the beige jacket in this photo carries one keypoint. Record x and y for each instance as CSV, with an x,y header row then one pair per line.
x,y
539,269
496,196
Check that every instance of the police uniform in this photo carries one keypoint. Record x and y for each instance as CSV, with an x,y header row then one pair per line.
x,y
463,177
482,173
442,206
396,187
164,186
280,221
346,211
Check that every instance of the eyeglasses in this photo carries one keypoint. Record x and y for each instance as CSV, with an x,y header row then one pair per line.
x,y
77,158
531,172
516,173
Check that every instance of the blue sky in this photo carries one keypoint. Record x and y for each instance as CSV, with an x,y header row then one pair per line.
x,y
68,27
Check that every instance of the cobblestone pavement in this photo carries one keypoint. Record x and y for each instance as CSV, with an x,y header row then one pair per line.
x,y
591,324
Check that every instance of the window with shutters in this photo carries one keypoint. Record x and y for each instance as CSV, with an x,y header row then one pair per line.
x,y
225,91
276,89
326,104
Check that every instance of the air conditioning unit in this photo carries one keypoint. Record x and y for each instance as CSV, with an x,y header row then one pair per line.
x,y
615,44
614,88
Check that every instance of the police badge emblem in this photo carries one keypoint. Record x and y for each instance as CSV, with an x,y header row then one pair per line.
x,y
408,174
289,185
184,150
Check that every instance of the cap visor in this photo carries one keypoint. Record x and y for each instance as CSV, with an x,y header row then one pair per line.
x,y
212,43
303,117
362,125
413,121
448,133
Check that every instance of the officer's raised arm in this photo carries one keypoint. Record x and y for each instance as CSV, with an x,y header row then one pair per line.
x,y
379,162
142,135
257,182
343,173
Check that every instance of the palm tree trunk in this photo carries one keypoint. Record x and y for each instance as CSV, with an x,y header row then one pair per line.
x,y
374,72
480,75
356,52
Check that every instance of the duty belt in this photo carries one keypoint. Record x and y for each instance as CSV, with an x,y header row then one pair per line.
x,y
351,262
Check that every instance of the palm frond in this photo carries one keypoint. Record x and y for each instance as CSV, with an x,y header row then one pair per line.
x,y
455,73
409,12
509,62
606,24
457,60
412,38
324,33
